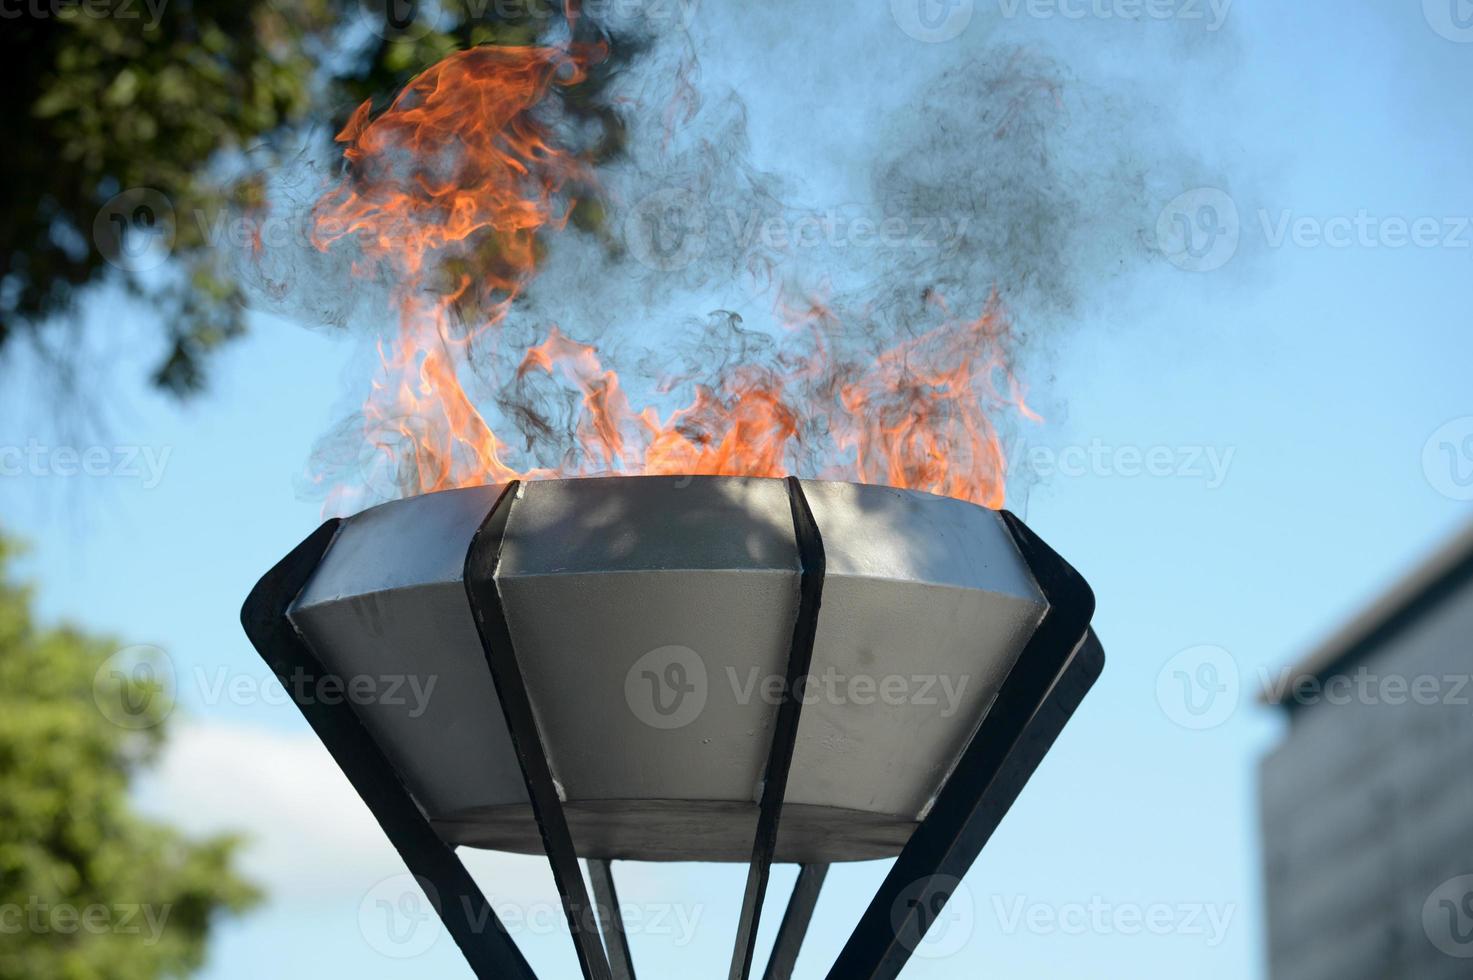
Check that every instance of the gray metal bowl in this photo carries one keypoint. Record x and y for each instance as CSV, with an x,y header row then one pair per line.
x,y
649,615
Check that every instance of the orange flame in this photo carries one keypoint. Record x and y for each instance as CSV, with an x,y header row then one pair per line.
x,y
447,192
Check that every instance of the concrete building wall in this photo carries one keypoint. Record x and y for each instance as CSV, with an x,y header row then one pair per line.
x,y
1367,808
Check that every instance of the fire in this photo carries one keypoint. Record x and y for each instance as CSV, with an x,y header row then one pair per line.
x,y
458,173
742,430
919,418
448,194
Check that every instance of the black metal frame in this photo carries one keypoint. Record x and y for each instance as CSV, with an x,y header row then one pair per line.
x,y
511,690
812,566
621,961
1060,663
469,918
1057,667
794,928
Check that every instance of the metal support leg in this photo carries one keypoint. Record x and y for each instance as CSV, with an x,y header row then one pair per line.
x,y
785,731
1051,677
601,873
467,915
511,690
791,933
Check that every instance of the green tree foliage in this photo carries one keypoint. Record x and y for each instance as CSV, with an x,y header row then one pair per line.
x,y
107,96
88,888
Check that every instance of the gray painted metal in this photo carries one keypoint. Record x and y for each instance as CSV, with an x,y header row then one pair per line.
x,y
651,617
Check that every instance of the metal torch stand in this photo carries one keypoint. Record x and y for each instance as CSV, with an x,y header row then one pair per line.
x,y
1041,692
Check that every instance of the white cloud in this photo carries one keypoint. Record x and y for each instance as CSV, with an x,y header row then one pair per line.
x,y
309,834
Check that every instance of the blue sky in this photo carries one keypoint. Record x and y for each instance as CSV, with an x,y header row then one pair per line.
x,y
1315,374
